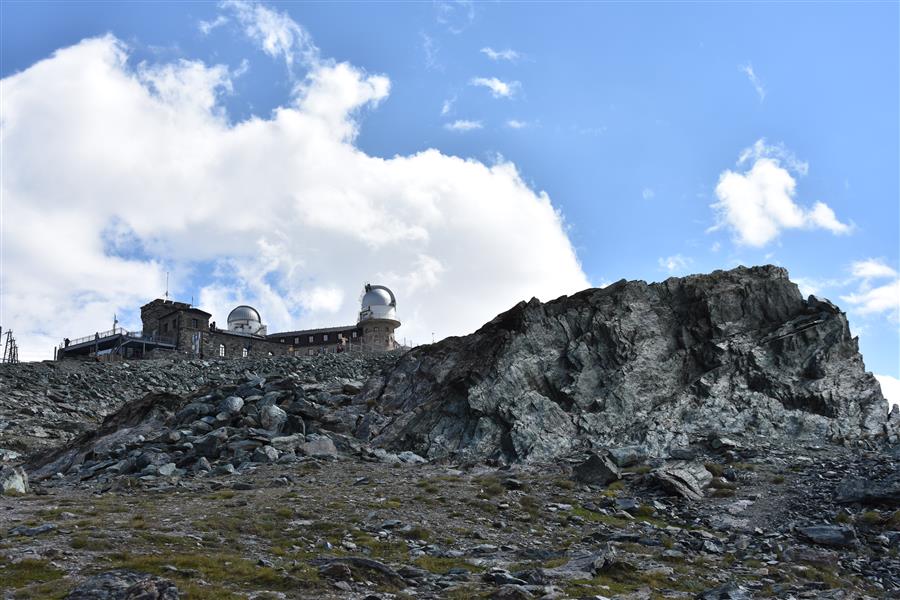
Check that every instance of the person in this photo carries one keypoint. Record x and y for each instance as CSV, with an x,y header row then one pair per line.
x,y
66,342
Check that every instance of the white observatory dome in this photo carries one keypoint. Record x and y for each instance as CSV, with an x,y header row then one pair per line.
x,y
378,302
245,319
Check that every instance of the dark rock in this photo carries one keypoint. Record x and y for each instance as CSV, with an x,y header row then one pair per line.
x,y
866,491
838,536
598,468
627,456
729,591
32,531
125,585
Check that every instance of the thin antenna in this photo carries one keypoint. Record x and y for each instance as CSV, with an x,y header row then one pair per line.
x,y
167,285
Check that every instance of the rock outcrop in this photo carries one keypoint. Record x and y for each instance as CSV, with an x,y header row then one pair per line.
x,y
658,365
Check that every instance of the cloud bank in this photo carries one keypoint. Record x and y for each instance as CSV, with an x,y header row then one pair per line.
x,y
115,174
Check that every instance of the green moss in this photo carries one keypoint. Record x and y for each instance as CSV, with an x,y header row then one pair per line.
x,y
723,493
778,479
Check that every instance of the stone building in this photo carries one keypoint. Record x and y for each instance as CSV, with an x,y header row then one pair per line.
x,y
178,328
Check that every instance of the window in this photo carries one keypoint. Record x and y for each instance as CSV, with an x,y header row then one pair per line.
x,y
221,349
296,341
312,352
165,328
282,340
324,337
354,335
310,339
244,352
195,324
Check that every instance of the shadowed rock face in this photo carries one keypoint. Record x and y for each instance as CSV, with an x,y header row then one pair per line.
x,y
657,364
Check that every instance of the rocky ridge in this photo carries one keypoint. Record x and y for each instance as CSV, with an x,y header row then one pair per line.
x,y
634,363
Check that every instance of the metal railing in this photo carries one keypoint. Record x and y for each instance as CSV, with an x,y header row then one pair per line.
x,y
100,335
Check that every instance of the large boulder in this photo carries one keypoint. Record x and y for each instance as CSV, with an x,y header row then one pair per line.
x,y
13,481
656,365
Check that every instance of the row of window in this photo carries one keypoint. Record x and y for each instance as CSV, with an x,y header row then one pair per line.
x,y
244,352
312,338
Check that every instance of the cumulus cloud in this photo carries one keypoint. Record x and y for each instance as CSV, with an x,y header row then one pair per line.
x,y
516,124
758,204
463,125
283,212
882,299
890,388
872,268
647,193
508,54
754,81
675,263
498,88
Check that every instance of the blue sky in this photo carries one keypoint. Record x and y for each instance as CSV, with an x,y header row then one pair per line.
x,y
626,115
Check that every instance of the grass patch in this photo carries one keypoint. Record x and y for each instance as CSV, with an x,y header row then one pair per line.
x,y
27,571
218,569
490,487
83,542
715,468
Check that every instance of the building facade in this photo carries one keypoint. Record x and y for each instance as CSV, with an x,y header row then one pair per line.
x,y
177,328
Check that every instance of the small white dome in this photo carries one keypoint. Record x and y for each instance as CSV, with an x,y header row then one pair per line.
x,y
244,313
376,297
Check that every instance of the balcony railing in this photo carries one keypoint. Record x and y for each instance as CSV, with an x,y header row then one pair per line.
x,y
137,335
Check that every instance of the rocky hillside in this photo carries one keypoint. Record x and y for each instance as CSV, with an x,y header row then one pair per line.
x,y
641,441
43,405
659,365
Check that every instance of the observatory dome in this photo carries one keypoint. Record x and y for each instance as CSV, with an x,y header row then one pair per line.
x,y
378,303
245,319
377,297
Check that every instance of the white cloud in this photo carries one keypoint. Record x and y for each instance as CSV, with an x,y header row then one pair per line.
x,y
463,125
778,152
447,106
498,88
647,193
508,54
674,264
206,27
284,213
758,204
516,124
277,33
883,299
754,80
872,268
890,388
